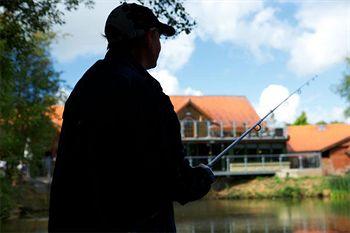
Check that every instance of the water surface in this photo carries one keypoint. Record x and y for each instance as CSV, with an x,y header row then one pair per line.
x,y
311,215
264,216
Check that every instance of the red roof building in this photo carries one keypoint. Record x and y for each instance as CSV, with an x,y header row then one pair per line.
x,y
210,123
225,109
332,141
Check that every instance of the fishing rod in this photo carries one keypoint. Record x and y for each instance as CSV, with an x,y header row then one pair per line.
x,y
257,125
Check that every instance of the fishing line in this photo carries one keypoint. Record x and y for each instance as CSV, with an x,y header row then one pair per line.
x,y
257,125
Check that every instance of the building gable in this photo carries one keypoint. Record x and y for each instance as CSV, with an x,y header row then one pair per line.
x,y
193,112
228,110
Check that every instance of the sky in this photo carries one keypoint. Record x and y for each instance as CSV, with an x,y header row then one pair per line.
x,y
263,50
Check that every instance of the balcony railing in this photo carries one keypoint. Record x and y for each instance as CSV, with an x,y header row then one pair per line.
x,y
259,164
207,129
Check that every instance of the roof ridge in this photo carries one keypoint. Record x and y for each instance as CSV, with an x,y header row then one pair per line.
x,y
209,96
310,125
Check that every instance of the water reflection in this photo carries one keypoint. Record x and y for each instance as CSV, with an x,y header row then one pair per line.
x,y
264,216
241,216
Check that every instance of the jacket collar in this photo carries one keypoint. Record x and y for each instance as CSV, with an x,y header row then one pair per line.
x,y
126,58
114,57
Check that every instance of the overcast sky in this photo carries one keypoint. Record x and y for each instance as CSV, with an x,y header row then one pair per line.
x,y
260,49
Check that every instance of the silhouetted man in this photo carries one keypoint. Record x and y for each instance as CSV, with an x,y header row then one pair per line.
x,y
120,162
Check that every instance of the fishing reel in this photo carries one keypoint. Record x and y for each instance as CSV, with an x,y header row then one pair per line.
x,y
257,128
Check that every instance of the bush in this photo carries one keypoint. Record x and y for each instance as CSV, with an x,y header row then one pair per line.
x,y
277,180
290,192
339,186
340,183
7,203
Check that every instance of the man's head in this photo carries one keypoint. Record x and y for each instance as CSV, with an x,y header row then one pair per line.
x,y
135,29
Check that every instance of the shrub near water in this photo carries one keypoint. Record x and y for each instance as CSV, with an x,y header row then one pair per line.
x,y
340,186
276,187
6,198
290,192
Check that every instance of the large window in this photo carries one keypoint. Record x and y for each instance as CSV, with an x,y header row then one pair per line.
x,y
188,125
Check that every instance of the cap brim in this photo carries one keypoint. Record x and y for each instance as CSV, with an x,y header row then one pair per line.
x,y
165,29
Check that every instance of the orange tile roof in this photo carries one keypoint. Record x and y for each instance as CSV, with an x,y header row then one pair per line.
x,y
314,138
57,118
220,108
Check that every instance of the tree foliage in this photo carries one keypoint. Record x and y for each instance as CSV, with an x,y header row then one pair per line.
x,y
321,123
344,87
29,85
173,12
301,120
20,20
27,97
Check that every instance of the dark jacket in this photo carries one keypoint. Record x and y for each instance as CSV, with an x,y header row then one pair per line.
x,y
120,162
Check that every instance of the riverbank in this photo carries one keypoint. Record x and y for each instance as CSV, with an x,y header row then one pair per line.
x,y
275,187
28,199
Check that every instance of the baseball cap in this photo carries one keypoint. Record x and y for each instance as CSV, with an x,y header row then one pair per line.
x,y
131,20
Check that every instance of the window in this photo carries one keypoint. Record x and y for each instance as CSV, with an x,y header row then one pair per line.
x,y
188,128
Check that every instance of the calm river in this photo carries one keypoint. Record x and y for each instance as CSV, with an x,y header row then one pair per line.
x,y
241,216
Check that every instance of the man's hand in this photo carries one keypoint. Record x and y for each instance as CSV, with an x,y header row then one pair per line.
x,y
195,184
203,179
209,172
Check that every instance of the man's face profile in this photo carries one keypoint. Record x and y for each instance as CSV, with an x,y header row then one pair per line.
x,y
153,47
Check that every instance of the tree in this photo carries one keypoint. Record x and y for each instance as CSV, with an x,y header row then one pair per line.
x,y
173,12
22,19
301,120
26,109
336,122
344,87
29,85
